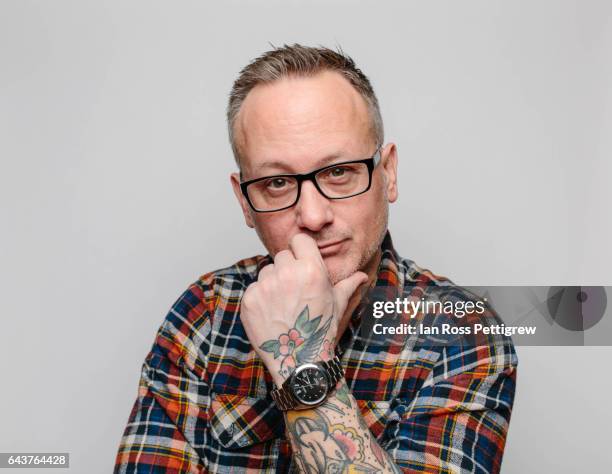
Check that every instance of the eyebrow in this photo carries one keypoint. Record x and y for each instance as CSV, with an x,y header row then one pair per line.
x,y
285,168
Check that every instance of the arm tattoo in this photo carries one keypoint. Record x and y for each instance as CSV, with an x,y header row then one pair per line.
x,y
334,438
305,342
343,395
325,447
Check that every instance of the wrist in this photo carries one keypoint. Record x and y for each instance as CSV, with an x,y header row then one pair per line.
x,y
282,370
309,385
281,360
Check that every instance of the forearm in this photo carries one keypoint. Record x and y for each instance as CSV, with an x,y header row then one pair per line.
x,y
334,438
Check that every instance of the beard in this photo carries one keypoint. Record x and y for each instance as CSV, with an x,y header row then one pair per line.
x,y
361,261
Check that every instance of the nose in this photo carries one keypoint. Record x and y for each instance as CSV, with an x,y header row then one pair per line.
x,y
313,209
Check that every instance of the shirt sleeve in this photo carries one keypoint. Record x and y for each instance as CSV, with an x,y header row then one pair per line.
x,y
168,423
459,419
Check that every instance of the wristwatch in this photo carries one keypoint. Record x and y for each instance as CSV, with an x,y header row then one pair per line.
x,y
308,385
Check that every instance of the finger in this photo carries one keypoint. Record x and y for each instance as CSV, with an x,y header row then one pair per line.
x,y
344,289
304,247
283,258
265,271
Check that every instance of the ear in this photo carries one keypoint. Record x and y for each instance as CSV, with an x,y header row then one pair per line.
x,y
388,156
246,209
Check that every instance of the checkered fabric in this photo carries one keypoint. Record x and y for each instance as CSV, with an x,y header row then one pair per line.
x,y
204,401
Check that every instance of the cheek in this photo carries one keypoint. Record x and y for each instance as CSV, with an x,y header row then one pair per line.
x,y
274,230
371,219
370,208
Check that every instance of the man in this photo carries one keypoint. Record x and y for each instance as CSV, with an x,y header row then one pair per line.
x,y
265,366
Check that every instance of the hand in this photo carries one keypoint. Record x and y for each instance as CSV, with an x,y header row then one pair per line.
x,y
291,313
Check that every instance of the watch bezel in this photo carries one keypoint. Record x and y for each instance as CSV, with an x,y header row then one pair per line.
x,y
300,369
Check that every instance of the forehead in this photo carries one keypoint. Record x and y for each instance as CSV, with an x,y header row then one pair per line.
x,y
298,122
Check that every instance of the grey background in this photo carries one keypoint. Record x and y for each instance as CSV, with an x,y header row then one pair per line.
x,y
115,191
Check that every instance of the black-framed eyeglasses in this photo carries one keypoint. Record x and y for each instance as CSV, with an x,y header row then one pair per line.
x,y
336,181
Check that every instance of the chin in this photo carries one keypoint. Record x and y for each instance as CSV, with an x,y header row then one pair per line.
x,y
343,266
336,277
339,269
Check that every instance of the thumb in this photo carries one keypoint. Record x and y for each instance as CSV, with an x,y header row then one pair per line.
x,y
344,289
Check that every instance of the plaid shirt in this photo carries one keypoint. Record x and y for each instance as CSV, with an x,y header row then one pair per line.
x,y
204,400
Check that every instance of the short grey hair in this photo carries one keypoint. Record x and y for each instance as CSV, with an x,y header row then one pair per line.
x,y
301,61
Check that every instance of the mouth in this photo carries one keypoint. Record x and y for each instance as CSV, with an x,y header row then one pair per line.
x,y
330,248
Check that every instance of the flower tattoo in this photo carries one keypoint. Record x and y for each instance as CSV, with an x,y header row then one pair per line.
x,y
305,342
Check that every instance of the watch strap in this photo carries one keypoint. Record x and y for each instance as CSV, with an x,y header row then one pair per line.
x,y
333,367
283,398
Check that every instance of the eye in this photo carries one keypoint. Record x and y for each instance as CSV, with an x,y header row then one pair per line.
x,y
276,183
337,172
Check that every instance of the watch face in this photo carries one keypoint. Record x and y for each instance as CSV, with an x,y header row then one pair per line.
x,y
309,384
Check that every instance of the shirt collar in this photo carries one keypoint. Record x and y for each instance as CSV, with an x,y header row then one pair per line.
x,y
388,273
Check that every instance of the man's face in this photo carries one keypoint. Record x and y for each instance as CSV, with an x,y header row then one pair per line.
x,y
296,125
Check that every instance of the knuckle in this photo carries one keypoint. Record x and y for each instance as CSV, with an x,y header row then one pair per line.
x,y
249,296
312,270
313,267
266,282
283,254
265,272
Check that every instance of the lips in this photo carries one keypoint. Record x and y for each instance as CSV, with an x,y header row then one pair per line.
x,y
328,248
